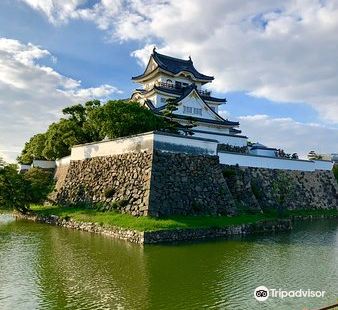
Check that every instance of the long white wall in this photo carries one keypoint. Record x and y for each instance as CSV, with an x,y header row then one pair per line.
x,y
189,145
113,147
272,163
232,140
64,161
161,141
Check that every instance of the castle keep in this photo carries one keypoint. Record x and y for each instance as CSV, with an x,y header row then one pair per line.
x,y
212,172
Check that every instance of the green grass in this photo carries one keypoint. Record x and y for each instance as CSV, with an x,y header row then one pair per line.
x,y
150,224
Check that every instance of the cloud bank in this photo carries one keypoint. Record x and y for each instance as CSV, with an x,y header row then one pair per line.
x,y
32,95
283,51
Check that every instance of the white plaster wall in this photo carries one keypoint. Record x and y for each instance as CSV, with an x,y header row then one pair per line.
x,y
168,142
64,161
22,167
213,129
44,164
266,162
261,152
195,102
209,146
323,165
232,140
113,147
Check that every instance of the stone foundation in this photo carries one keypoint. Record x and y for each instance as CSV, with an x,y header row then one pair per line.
x,y
161,236
165,184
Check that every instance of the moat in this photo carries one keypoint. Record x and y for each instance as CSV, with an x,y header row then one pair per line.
x,y
48,267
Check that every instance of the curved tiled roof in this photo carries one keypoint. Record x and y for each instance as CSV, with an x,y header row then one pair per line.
x,y
186,92
175,66
179,92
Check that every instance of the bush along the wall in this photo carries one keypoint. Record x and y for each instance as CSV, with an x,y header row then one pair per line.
x,y
335,171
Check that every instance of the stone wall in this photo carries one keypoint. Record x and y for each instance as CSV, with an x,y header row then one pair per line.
x,y
160,236
60,176
116,182
188,185
163,184
259,189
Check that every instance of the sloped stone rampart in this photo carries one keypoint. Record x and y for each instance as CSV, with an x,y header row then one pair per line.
x,y
165,184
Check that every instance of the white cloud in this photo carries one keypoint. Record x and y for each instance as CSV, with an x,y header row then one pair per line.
x,y
280,50
290,135
57,11
32,96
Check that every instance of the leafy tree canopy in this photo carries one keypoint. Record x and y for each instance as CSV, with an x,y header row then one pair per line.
x,y
120,118
88,123
18,191
41,183
14,189
33,149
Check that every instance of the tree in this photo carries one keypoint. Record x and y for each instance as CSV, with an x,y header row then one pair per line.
x,y
60,137
88,123
33,149
170,107
120,118
335,171
41,183
2,163
14,189
187,129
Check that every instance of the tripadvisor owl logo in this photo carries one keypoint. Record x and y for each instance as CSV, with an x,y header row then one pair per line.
x,y
261,293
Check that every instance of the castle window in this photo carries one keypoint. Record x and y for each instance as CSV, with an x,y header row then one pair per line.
x,y
178,84
163,100
197,111
187,110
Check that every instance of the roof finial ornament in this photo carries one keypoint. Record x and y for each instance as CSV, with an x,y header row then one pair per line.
x,y
154,49
190,58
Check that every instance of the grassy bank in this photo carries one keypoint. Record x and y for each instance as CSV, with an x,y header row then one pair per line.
x,y
148,223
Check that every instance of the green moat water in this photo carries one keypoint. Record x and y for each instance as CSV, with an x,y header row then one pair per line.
x,y
46,267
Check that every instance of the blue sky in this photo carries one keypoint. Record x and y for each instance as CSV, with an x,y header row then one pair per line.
x,y
283,93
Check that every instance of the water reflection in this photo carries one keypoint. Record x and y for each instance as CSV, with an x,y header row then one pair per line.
x,y
46,267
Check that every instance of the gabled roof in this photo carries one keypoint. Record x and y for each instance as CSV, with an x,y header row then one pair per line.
x,y
175,66
259,146
186,92
175,91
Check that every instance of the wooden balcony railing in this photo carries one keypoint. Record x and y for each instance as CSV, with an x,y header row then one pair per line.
x,y
180,87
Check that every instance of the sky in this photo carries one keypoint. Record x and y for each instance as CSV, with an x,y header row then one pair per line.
x,y
276,62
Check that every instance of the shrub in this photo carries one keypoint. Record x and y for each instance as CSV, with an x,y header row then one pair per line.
x,y
109,192
229,172
335,171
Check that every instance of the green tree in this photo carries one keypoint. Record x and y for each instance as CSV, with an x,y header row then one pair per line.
x,y
33,149
335,171
120,118
14,189
88,123
60,137
41,183
2,163
170,107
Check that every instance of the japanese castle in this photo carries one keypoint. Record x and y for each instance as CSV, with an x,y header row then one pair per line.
x,y
167,77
